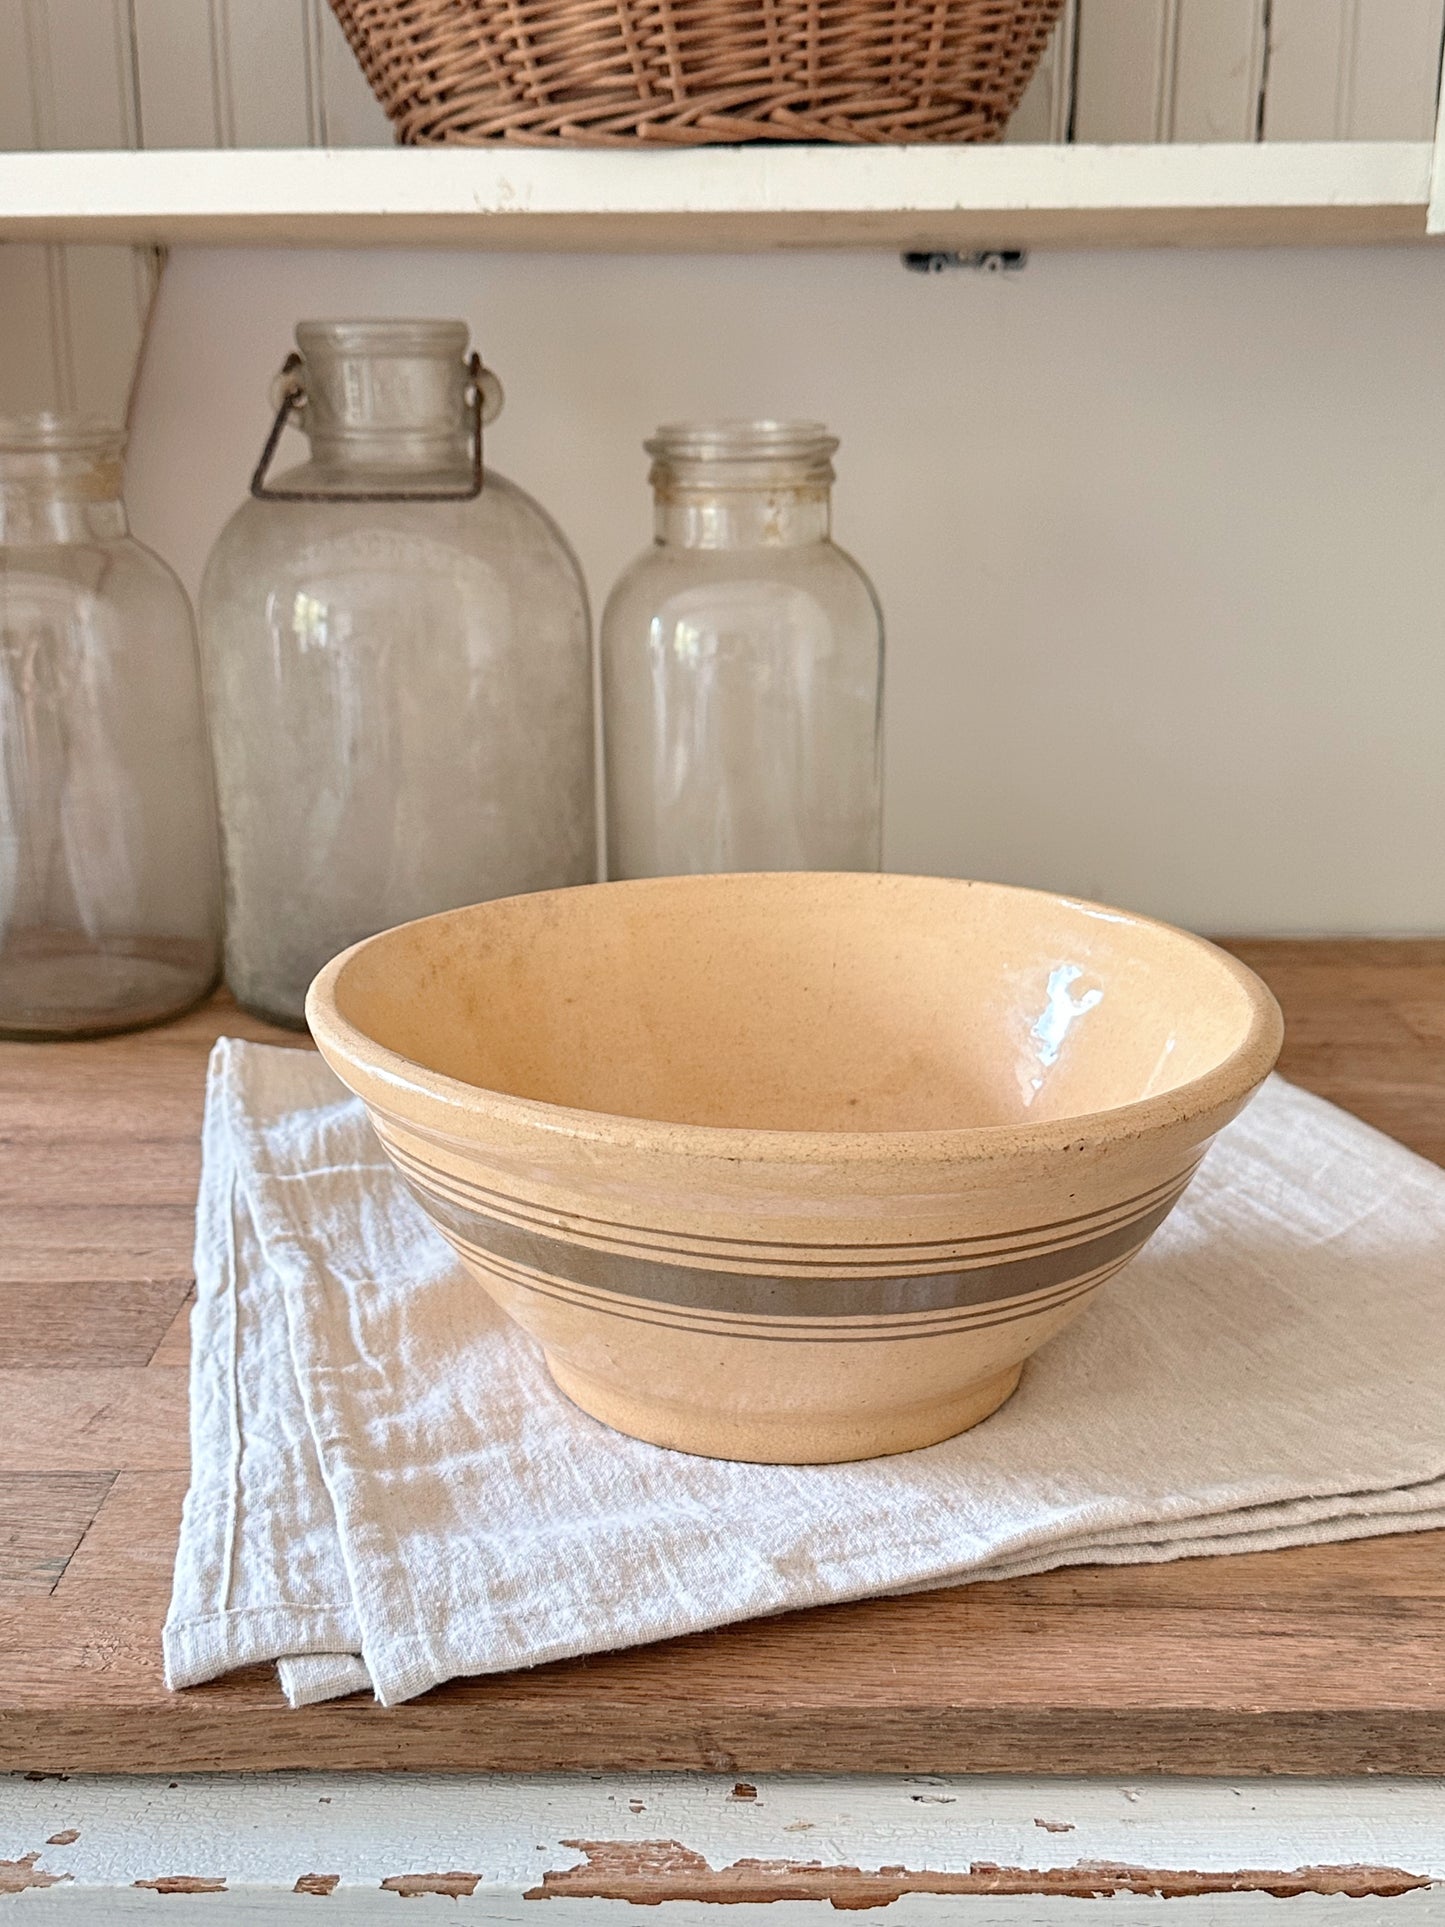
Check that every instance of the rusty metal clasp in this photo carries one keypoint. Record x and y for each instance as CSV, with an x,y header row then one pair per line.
x,y
484,400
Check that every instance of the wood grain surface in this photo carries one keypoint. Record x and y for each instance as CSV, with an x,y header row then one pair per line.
x,y
1320,1660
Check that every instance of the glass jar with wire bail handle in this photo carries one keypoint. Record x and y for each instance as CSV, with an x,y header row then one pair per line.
x,y
109,880
397,657
742,666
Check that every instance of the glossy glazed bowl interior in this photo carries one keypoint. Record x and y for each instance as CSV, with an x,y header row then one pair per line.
x,y
795,1087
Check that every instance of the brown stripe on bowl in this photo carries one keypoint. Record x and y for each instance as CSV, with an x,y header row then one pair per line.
x,y
702,1288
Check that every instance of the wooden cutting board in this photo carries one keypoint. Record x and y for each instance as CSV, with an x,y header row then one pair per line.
x,y
1327,1660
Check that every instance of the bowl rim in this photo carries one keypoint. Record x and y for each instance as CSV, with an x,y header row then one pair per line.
x,y
1226,1084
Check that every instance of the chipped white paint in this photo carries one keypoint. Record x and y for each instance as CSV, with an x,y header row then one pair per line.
x,y
261,1834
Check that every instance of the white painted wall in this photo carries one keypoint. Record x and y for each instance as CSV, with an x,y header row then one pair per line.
x,y
1158,537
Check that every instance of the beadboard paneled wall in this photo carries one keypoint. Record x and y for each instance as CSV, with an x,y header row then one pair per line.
x,y
176,74
147,73
249,73
70,318
1237,70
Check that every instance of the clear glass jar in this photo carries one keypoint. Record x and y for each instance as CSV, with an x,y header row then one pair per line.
x,y
109,883
742,666
397,667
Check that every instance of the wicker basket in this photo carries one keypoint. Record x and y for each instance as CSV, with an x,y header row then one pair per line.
x,y
679,73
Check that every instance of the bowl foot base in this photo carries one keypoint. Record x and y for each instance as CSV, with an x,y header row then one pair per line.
x,y
784,1438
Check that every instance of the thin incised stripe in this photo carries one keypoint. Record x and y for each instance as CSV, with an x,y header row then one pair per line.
x,y
779,1332
491,1200
822,1260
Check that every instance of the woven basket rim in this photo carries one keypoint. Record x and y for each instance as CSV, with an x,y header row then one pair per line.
x,y
697,72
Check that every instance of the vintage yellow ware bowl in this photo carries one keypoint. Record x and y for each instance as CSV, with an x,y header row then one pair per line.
x,y
794,1167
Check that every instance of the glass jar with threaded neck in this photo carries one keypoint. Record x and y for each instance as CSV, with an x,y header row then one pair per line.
x,y
398,671
742,666
109,880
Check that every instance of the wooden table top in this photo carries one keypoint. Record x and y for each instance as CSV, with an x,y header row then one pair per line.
x,y
1324,1660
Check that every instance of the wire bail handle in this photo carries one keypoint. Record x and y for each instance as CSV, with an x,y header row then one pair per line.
x,y
484,404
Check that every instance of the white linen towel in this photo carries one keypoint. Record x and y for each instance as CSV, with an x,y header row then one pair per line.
x,y
386,1489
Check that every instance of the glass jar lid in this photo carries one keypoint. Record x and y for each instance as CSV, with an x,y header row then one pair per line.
x,y
742,454
724,441
380,379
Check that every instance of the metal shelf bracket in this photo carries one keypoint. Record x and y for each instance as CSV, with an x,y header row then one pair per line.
x,y
982,260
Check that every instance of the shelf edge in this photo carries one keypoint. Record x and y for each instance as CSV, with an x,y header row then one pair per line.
x,y
726,198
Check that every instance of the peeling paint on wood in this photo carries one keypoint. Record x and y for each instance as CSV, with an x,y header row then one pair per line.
x,y
819,1846
66,1838
455,1886
17,1876
1055,1826
652,1871
182,1883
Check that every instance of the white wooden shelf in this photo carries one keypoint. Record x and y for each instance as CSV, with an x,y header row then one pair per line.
x,y
1221,194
